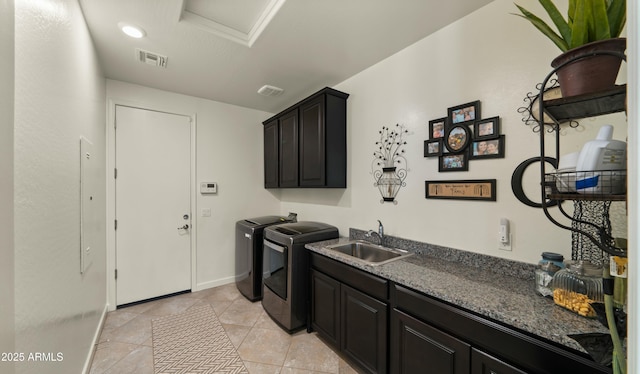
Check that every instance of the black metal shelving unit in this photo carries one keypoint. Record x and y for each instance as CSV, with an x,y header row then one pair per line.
x,y
565,110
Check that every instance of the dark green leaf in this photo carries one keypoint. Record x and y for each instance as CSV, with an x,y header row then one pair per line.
x,y
617,15
544,28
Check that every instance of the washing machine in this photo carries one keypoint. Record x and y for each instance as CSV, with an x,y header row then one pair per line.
x,y
286,270
249,238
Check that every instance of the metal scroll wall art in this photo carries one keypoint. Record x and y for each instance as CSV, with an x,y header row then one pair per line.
x,y
531,109
389,166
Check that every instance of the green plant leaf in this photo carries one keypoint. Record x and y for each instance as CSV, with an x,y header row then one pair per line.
x,y
600,19
544,28
580,26
587,21
557,18
617,15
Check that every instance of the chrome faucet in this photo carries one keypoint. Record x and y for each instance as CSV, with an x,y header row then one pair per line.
x,y
379,234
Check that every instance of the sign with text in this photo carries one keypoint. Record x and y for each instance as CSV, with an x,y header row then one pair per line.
x,y
482,189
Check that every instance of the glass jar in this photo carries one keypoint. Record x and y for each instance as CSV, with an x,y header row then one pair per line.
x,y
547,267
577,286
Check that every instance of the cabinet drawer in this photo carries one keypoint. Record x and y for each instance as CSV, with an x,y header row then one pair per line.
x,y
482,363
356,278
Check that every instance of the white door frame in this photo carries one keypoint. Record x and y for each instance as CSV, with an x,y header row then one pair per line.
x,y
111,197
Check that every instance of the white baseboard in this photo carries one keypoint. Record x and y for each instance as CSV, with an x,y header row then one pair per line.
x,y
214,283
96,338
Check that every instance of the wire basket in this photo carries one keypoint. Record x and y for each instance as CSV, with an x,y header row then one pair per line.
x,y
600,182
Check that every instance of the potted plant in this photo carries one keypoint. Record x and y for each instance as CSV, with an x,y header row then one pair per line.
x,y
591,26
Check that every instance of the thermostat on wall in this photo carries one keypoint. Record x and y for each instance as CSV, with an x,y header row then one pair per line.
x,y
208,187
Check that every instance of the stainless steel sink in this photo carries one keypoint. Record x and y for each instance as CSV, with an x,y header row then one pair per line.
x,y
368,253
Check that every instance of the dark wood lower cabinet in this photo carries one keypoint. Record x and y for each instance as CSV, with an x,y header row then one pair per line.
x,y
364,329
417,347
381,327
325,307
349,310
483,363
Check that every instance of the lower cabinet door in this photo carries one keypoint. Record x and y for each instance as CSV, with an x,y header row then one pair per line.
x,y
482,363
417,347
325,307
364,329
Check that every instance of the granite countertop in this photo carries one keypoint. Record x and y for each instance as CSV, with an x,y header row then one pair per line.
x,y
504,298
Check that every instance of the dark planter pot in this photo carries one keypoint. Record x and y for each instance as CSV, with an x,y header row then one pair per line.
x,y
592,73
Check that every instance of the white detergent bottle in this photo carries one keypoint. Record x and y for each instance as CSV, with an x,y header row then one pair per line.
x,y
603,153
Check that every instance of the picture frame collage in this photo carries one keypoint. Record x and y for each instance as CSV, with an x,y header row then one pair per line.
x,y
462,136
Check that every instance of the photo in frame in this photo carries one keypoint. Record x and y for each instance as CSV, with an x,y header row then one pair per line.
x,y
464,113
453,162
488,128
437,128
479,189
457,138
433,147
487,148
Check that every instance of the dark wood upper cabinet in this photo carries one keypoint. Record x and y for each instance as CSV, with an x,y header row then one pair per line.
x,y
312,143
288,145
271,150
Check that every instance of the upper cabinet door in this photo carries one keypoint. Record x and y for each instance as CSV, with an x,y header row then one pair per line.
x,y
271,149
312,143
289,149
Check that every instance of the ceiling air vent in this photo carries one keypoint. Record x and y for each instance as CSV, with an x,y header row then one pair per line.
x,y
151,58
267,90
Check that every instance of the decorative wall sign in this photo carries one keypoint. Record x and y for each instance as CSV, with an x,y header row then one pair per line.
x,y
481,189
389,167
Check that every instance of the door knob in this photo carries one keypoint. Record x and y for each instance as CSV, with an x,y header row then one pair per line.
x,y
185,227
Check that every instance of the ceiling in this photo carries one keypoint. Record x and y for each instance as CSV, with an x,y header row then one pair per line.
x,y
225,50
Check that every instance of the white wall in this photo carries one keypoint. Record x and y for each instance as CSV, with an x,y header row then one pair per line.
x,y
6,180
229,151
491,56
59,96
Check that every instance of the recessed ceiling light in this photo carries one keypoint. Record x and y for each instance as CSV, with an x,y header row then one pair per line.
x,y
131,30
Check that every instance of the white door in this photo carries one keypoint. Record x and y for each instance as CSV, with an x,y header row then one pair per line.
x,y
153,184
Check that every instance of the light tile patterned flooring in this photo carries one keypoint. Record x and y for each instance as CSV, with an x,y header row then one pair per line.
x,y
125,342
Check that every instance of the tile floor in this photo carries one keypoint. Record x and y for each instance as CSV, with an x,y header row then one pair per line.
x,y
125,342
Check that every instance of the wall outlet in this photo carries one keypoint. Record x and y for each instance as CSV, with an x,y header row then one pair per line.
x,y
505,246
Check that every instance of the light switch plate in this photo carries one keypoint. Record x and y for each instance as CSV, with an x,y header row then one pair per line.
x,y
505,246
